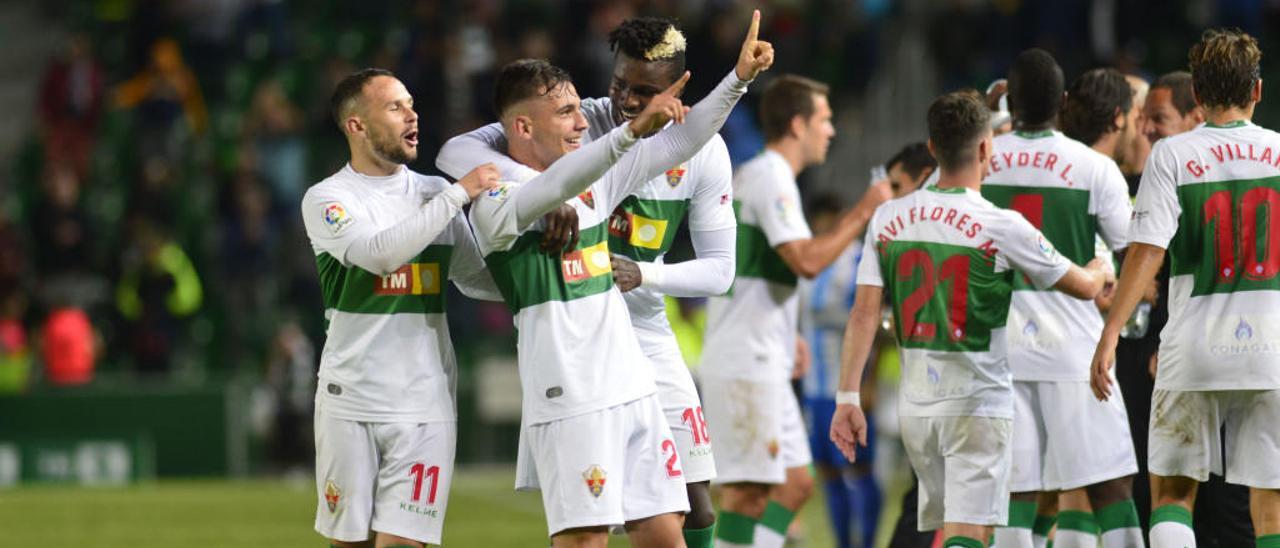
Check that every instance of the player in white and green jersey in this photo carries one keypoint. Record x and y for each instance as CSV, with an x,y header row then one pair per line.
x,y
945,258
649,57
385,240
590,408
1074,194
1206,197
763,457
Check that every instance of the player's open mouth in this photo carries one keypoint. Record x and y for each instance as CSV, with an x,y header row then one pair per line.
x,y
411,138
574,142
628,116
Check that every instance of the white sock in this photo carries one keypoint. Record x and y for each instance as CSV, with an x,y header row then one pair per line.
x,y
1067,538
768,538
1039,541
1171,534
1124,537
1014,537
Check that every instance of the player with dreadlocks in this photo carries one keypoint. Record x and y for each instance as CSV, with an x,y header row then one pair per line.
x,y
649,55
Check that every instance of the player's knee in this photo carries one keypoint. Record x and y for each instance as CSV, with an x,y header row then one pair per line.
x,y
800,484
1109,492
1172,489
748,499
702,512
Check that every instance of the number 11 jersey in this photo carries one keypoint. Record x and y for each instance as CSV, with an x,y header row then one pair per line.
x,y
946,260
1211,197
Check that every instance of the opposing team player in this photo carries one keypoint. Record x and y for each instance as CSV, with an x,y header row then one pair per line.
x,y
386,239
649,55
945,258
1206,197
1074,194
590,405
751,335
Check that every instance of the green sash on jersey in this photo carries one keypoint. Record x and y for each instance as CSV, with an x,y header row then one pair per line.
x,y
1065,211
527,276
1228,236
945,297
414,288
642,229
756,258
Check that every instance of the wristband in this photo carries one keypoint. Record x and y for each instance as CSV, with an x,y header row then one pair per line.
x,y
850,398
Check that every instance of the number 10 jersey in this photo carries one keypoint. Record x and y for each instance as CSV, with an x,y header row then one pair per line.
x,y
946,260
1211,197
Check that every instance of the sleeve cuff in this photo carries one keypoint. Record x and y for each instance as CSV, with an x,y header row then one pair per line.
x,y
455,195
650,274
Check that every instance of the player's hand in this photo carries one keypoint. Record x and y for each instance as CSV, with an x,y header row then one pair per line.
x,y
663,108
849,430
1100,370
562,230
1104,267
482,178
626,273
756,55
876,194
1153,364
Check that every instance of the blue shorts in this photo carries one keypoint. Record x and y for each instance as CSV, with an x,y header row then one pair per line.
x,y
817,412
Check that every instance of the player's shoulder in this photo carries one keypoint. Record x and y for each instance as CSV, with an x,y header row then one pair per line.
x,y
429,184
340,185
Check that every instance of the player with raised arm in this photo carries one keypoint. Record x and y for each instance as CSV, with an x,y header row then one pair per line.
x,y
386,239
1075,195
945,258
649,55
1205,198
590,408
750,344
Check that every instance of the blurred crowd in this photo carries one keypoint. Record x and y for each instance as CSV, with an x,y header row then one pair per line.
x,y
149,227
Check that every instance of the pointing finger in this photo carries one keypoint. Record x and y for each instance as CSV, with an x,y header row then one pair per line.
x,y
678,87
754,30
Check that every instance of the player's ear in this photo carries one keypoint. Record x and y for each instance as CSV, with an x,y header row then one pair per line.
x,y
1256,95
522,125
353,125
932,152
1119,119
797,126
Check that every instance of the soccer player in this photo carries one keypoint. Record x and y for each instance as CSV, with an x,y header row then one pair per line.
x,y
385,240
1171,107
649,55
750,345
1202,198
945,258
853,498
590,407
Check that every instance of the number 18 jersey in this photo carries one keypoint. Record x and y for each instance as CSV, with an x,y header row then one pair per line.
x,y
1211,197
945,258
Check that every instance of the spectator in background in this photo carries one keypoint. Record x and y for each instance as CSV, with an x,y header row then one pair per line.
x,y
158,287
163,93
68,347
59,225
70,105
275,127
249,244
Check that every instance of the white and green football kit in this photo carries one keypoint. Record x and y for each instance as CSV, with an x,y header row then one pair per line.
x,y
751,334
946,259
385,416
1075,195
1207,196
642,228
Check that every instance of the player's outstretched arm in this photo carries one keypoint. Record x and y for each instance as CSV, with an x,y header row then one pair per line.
x,y
710,274
1141,264
808,258
848,423
1086,283
483,145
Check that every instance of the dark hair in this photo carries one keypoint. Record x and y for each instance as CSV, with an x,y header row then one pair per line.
x,y
957,121
1092,102
785,98
1179,85
525,78
1035,88
634,37
1224,66
349,89
915,158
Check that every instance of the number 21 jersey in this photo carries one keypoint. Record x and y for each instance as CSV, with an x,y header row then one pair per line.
x,y
1211,197
946,260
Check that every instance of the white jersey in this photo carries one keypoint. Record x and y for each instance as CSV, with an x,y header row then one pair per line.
x,y
751,333
1073,194
387,356
945,259
1208,196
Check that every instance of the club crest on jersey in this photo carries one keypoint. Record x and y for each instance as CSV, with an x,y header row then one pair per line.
x,y
595,477
336,217
676,174
588,198
410,279
332,494
773,448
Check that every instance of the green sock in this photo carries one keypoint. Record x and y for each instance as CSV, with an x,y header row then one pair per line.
x,y
777,517
1171,512
736,528
1075,520
961,542
1022,514
1043,525
700,538
1118,515
1269,541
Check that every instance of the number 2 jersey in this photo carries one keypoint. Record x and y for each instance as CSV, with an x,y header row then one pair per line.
x,y
1071,193
1211,197
946,260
